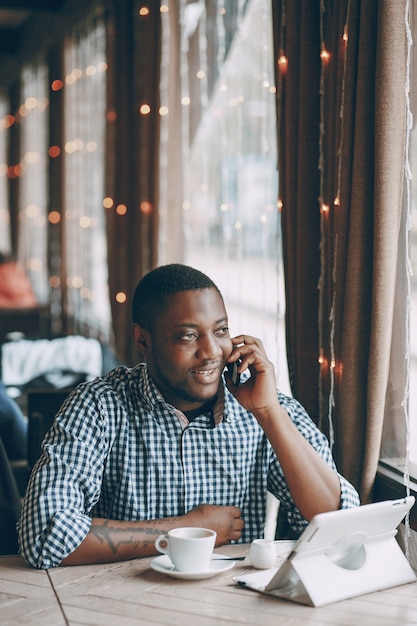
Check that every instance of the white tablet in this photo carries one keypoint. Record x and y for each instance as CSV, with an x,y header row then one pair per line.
x,y
341,554
335,531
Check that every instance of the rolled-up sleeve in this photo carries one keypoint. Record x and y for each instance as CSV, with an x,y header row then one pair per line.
x,y
348,495
65,483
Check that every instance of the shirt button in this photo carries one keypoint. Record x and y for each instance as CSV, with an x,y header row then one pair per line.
x,y
190,470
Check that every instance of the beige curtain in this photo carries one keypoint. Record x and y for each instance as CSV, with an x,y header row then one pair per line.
x,y
341,146
390,132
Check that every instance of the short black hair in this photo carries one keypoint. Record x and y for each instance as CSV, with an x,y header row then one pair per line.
x,y
150,295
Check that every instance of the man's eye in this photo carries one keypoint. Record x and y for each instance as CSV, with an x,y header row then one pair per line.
x,y
220,332
188,337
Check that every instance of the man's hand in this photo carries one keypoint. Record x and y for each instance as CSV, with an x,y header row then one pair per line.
x,y
225,520
258,394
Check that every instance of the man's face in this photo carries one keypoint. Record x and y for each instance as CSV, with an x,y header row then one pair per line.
x,y
188,347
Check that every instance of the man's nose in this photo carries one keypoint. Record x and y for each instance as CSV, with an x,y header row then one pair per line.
x,y
209,348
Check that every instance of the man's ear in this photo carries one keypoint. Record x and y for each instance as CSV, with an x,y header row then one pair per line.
x,y
142,338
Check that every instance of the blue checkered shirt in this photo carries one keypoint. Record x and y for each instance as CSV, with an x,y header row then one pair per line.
x,y
117,450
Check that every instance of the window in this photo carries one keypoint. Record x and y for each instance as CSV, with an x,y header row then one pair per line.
x,y
84,144
230,213
33,116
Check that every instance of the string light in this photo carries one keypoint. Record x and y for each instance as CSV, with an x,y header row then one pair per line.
x,y
282,63
54,282
54,217
31,103
121,297
121,209
32,210
333,370
146,207
324,211
325,55
342,107
57,85
85,221
34,264
407,178
54,151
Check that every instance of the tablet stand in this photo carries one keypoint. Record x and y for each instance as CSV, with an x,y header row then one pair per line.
x,y
353,566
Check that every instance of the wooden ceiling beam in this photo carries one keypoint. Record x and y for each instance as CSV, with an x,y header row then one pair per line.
x,y
51,6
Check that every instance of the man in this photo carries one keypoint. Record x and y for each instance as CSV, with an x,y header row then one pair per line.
x,y
173,442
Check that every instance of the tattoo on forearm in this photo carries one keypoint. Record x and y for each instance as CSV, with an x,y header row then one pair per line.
x,y
116,537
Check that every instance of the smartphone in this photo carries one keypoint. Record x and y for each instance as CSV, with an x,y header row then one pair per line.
x,y
232,369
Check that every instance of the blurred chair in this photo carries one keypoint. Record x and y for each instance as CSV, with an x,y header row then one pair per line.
x,y
42,406
32,322
10,506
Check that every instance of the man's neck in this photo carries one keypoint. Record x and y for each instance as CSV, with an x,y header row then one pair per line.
x,y
205,408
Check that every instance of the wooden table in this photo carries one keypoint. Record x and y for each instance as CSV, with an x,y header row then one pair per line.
x,y
131,592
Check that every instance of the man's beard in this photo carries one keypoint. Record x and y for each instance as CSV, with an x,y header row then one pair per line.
x,y
180,392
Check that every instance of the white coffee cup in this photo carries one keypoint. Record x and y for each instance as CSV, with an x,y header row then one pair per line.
x,y
262,553
190,549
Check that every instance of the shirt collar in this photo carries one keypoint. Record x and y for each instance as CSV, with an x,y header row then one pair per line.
x,y
149,392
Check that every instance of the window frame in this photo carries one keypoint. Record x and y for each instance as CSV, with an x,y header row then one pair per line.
x,y
389,484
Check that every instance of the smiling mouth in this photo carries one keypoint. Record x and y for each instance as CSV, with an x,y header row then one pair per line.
x,y
208,375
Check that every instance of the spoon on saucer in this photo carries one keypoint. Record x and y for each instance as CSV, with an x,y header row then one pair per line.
x,y
228,558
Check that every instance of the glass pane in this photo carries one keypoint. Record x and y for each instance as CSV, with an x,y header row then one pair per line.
x,y
33,113
84,130
231,216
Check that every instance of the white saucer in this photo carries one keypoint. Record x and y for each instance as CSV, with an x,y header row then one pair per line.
x,y
164,565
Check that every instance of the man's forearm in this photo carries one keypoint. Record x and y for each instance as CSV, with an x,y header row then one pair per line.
x,y
314,485
114,540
